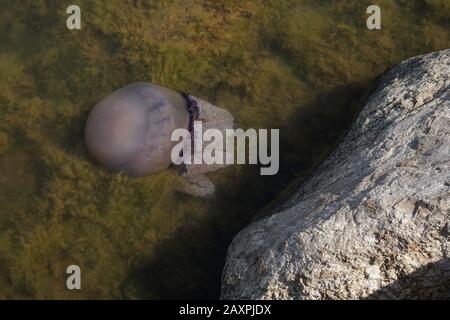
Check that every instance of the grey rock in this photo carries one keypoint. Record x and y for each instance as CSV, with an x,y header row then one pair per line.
x,y
374,218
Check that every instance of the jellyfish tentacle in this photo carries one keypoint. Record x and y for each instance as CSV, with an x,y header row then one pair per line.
x,y
196,185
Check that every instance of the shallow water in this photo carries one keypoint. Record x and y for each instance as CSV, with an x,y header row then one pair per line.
x,y
302,66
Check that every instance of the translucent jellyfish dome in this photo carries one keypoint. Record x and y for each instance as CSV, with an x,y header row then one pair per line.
x,y
129,130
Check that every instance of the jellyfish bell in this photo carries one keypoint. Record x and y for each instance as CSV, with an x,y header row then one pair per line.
x,y
129,130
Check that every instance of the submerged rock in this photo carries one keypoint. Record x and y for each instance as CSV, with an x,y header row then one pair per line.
x,y
373,220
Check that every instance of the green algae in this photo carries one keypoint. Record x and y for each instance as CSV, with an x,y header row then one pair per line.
x,y
301,66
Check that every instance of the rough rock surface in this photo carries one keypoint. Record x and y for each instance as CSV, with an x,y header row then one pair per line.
x,y
373,220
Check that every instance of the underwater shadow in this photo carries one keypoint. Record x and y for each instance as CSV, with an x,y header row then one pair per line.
x,y
431,281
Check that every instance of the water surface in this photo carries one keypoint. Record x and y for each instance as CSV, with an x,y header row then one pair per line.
x,y
302,66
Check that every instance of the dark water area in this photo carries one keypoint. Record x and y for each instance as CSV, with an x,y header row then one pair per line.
x,y
305,67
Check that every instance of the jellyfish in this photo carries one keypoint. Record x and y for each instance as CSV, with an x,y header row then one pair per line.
x,y
129,131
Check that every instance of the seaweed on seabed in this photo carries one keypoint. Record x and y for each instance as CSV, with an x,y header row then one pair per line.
x,y
276,65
